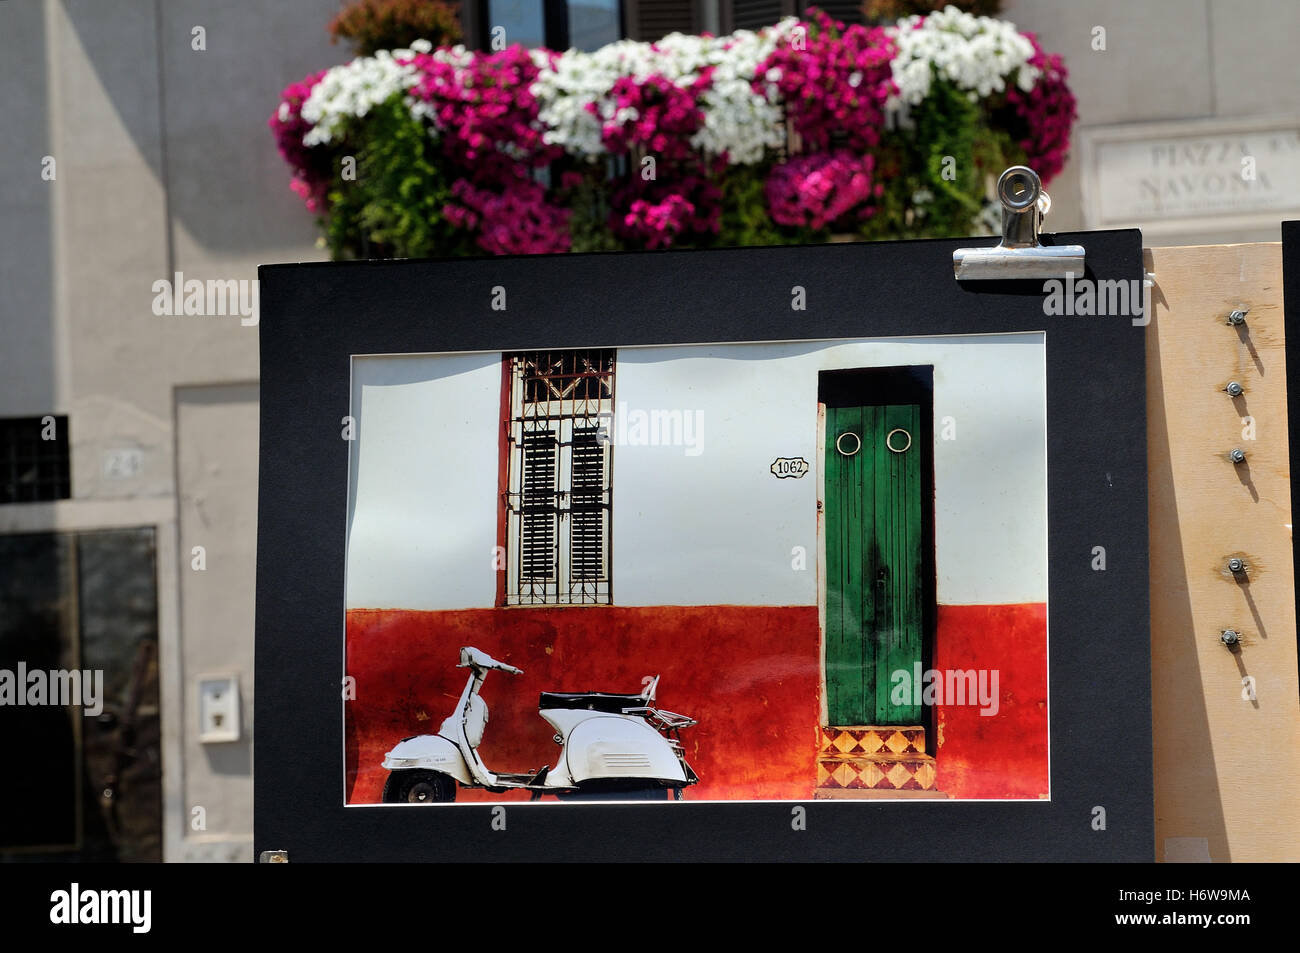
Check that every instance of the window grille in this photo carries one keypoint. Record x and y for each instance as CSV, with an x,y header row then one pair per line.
x,y
34,460
559,490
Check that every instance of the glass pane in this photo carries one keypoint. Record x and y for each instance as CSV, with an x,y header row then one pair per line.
x,y
593,23
119,636
522,20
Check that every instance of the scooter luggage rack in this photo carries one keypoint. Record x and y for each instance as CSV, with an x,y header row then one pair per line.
x,y
662,720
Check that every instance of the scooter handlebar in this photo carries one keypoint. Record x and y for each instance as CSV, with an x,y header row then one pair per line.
x,y
472,658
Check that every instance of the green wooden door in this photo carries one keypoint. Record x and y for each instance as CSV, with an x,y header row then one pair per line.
x,y
873,557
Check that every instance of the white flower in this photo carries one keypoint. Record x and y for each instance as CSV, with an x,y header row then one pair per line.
x,y
976,54
353,89
989,219
738,121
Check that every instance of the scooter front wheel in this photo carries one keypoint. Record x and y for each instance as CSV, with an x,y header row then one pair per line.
x,y
416,786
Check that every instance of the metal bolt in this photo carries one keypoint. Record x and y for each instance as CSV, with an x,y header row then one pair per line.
x,y
1234,389
1238,455
1238,317
1236,565
1229,637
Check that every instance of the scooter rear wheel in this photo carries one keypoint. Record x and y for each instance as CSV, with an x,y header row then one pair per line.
x,y
618,791
417,786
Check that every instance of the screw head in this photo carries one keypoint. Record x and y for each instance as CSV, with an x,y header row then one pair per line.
x,y
1236,565
1234,389
1230,637
1237,455
1238,317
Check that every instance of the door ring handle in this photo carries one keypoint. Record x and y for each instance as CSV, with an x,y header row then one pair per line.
x,y
889,440
840,447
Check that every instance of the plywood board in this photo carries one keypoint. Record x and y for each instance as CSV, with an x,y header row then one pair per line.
x,y
1227,765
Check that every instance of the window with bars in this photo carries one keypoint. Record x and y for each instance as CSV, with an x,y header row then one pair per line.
x,y
559,491
34,463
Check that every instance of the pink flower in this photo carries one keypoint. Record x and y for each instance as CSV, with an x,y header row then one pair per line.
x,y
815,191
515,221
312,194
486,112
1048,112
311,166
667,115
683,203
839,83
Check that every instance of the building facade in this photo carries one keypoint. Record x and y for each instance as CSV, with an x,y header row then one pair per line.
x,y
136,151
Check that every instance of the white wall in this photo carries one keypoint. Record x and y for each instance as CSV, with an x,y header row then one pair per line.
x,y
703,525
423,507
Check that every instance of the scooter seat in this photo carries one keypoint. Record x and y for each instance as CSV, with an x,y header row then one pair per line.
x,y
591,701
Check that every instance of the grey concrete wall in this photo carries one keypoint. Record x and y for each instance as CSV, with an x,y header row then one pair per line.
x,y
26,267
164,164
1168,60
216,450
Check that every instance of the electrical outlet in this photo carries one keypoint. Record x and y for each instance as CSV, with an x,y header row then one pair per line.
x,y
218,708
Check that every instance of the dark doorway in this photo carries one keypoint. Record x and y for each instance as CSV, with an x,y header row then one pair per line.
x,y
84,778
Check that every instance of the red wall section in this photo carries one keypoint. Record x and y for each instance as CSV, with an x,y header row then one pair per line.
x,y
751,675
1005,755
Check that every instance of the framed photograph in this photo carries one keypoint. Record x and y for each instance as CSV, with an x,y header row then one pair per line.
x,y
776,553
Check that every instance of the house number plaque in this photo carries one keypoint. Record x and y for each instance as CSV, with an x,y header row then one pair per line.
x,y
789,467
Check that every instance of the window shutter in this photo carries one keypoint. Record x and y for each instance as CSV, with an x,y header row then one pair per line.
x,y
753,14
588,505
650,20
538,512
847,12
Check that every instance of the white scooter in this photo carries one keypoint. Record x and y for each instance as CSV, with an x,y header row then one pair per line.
x,y
613,747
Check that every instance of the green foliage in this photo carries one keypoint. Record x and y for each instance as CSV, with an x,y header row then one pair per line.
x,y
370,25
745,220
938,173
944,147
588,199
394,207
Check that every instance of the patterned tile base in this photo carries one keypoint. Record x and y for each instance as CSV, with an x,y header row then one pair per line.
x,y
868,758
878,794
869,740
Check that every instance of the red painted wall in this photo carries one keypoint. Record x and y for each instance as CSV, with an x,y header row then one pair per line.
x,y
1004,755
750,674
